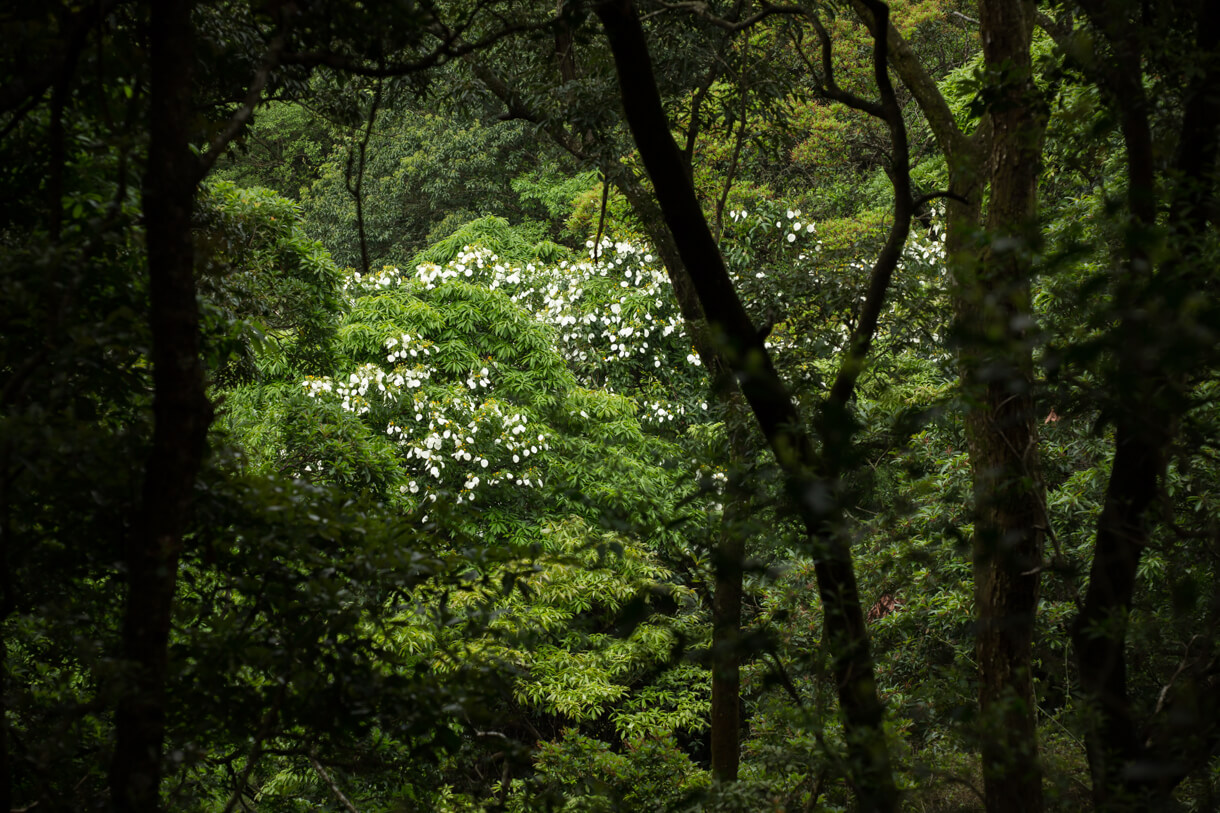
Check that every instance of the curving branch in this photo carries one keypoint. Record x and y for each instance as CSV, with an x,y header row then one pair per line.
x,y
357,190
890,111
733,26
239,120
827,86
452,46
925,199
809,478
333,785
921,84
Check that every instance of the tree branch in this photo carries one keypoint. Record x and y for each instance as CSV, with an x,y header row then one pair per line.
x,y
745,354
921,85
451,47
330,783
701,10
241,118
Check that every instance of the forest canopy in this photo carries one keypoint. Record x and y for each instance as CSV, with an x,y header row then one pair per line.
x,y
609,405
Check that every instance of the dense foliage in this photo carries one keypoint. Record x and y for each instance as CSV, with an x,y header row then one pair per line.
x,y
478,516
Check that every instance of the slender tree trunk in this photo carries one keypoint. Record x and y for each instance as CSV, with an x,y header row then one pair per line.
x,y
181,414
726,658
992,297
729,557
6,771
729,564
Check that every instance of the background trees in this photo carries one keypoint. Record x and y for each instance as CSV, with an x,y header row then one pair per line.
x,y
443,499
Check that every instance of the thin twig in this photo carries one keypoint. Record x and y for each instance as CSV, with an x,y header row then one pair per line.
x,y
601,219
330,782
357,191
256,748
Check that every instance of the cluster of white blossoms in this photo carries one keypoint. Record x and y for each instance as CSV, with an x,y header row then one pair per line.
x,y
613,307
404,347
658,413
607,311
923,254
356,284
486,447
793,229
353,391
451,440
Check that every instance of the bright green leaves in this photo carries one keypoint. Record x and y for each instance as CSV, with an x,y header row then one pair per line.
x,y
271,295
560,626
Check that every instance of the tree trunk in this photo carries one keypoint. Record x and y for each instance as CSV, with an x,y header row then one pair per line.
x,y
992,300
726,658
1134,769
729,556
1001,427
744,353
181,414
729,564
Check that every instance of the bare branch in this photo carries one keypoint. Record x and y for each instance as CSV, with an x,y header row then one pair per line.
x,y
330,783
357,190
239,120
904,209
451,47
701,10
828,87
923,87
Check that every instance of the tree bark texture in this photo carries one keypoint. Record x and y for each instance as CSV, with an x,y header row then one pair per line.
x,y
1001,427
1135,767
728,561
729,556
992,307
726,656
181,413
741,347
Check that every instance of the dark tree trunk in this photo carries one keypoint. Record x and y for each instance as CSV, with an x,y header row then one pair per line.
x,y
181,414
995,313
726,657
729,556
1134,769
6,771
743,351
992,295
729,564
